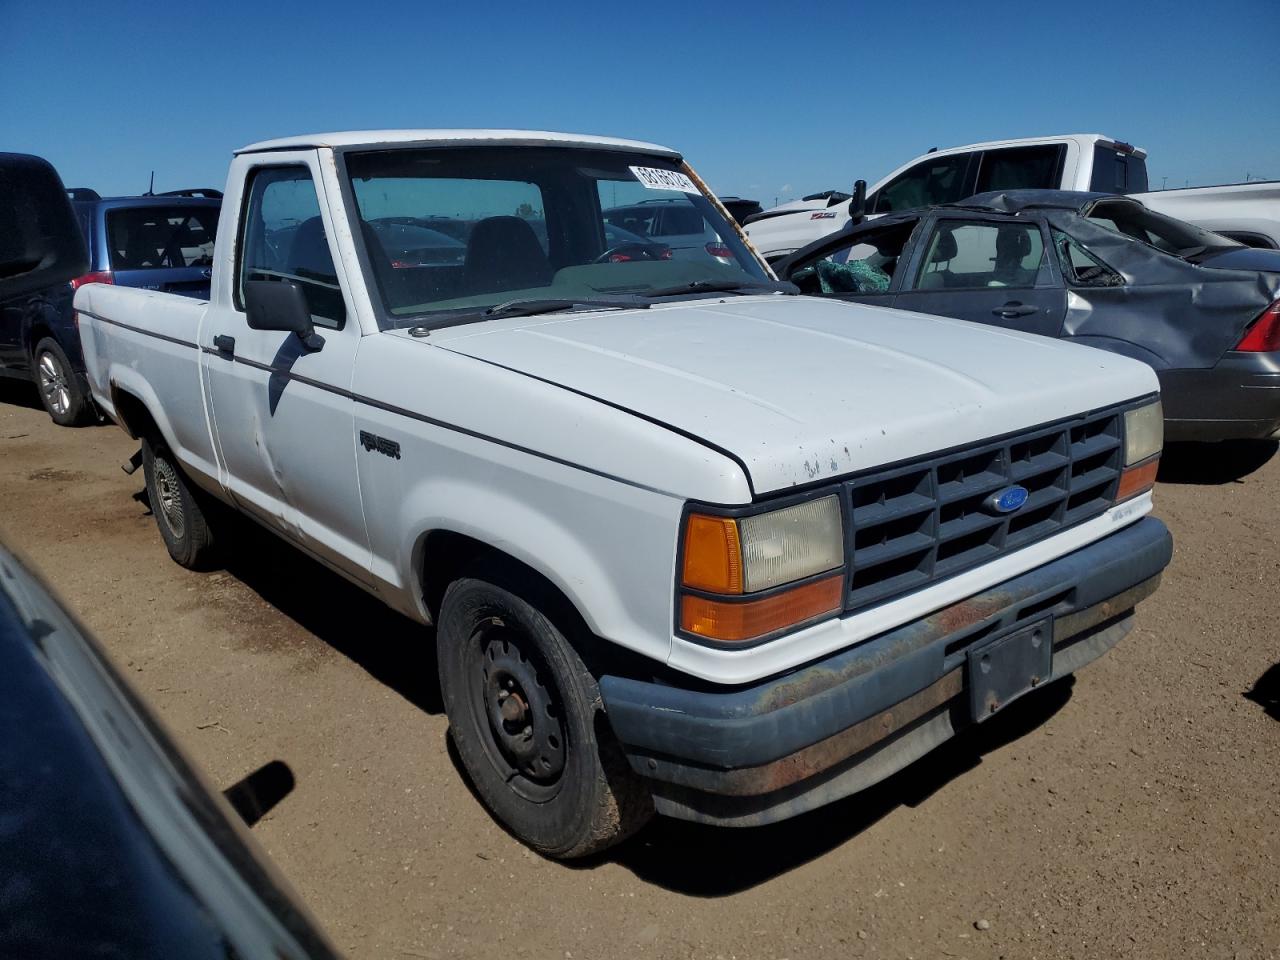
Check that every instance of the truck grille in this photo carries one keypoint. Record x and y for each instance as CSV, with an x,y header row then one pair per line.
x,y
917,524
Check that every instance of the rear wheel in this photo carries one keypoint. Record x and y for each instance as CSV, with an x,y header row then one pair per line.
x,y
61,390
182,513
527,720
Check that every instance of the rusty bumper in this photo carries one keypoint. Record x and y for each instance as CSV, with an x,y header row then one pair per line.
x,y
770,751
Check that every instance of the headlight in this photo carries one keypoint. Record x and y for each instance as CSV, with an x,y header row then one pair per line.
x,y
732,570
1143,432
1143,441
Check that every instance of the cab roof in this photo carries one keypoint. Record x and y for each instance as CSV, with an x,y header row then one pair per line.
x,y
1015,201
375,138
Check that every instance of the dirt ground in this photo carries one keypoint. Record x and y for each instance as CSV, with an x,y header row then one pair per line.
x,y
1130,812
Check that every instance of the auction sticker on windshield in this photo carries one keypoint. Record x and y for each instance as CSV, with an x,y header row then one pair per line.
x,y
656,179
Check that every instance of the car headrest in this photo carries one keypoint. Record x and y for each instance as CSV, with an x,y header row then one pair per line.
x,y
944,247
1012,243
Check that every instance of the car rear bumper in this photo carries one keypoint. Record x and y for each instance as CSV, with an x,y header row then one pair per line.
x,y
777,749
1238,399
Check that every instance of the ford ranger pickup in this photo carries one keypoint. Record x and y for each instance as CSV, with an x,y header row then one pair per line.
x,y
691,543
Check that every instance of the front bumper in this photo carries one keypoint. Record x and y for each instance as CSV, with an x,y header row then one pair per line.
x,y
779,748
1237,399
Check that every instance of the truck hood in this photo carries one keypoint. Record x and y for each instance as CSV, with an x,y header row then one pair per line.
x,y
800,390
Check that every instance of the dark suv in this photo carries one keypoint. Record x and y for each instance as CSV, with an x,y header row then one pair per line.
x,y
154,242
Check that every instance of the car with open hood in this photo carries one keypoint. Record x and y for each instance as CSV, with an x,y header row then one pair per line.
x,y
691,543
1093,268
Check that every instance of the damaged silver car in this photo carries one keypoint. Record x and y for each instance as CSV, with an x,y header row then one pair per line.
x,y
1097,269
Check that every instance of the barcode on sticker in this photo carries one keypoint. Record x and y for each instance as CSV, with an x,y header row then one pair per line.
x,y
656,179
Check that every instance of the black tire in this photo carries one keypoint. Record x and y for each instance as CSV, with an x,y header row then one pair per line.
x,y
182,513
62,391
552,772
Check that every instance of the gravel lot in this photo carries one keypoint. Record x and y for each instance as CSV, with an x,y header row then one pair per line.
x,y
1132,812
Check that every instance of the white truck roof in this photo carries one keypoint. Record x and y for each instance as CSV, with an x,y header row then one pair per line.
x,y
351,138
1032,141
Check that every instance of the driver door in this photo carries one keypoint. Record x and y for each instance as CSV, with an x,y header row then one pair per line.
x,y
283,415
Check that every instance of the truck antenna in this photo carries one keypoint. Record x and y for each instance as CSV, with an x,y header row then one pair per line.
x,y
151,188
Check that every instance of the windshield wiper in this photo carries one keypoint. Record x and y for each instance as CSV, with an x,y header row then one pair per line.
x,y
522,308
743,287
531,308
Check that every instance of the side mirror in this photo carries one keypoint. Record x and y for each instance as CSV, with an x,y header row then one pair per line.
x,y
858,205
280,305
40,240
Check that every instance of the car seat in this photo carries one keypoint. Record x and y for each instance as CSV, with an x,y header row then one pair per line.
x,y
1012,246
309,254
503,253
944,251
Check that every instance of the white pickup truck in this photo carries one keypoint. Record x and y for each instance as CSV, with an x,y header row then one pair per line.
x,y
691,543
1246,212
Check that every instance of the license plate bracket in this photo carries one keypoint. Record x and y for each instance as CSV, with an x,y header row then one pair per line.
x,y
1008,666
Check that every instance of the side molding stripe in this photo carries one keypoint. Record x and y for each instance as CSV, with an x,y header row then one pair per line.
x,y
380,405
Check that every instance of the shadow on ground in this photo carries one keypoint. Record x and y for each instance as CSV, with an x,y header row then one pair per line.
x,y
1266,692
391,648
20,393
1214,463
703,861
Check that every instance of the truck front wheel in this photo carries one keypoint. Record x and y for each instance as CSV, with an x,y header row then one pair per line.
x,y
526,718
180,512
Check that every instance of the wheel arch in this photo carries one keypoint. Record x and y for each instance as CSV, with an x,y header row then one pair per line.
x,y
444,555
134,414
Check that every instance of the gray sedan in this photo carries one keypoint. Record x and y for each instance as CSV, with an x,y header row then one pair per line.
x,y
1098,269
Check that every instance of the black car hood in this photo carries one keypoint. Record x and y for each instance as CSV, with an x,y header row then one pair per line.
x,y
1243,258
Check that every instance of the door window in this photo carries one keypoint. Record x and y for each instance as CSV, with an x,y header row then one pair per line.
x,y
964,255
1082,268
1019,168
936,180
284,239
866,266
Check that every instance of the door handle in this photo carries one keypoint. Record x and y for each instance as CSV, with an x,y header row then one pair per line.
x,y
224,344
1014,309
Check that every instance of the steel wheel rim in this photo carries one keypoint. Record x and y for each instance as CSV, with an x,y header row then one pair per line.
x,y
170,505
53,384
518,711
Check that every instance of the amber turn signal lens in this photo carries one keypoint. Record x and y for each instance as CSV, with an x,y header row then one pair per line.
x,y
712,555
720,620
1137,480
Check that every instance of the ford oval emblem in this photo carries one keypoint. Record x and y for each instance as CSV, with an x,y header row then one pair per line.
x,y
1007,500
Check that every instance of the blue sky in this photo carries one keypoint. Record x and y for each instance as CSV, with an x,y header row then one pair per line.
x,y
765,99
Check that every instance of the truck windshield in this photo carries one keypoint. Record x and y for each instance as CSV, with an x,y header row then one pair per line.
x,y
451,231
1175,237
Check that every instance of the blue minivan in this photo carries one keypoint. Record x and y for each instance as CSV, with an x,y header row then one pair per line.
x,y
162,242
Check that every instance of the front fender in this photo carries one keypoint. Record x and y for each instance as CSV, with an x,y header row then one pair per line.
x,y
611,552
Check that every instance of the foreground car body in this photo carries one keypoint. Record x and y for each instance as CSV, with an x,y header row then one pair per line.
x,y
112,844
1095,269
644,501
